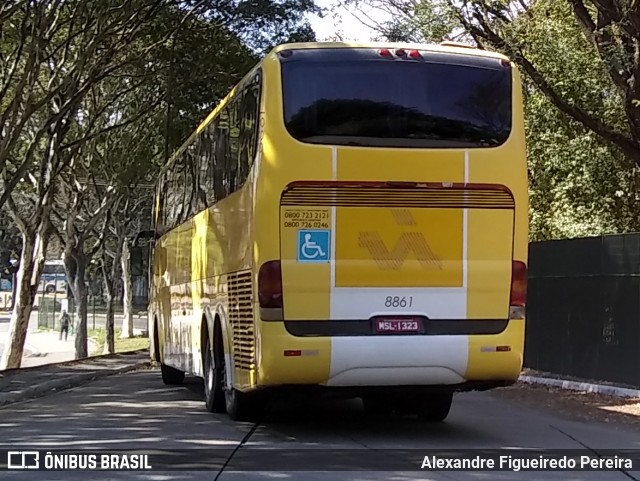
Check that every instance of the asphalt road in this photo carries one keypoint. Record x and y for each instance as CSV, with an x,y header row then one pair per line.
x,y
136,411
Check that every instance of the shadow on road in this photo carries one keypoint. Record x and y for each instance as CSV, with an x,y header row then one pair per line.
x,y
136,411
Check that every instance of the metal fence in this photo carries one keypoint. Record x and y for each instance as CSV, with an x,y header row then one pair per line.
x,y
583,314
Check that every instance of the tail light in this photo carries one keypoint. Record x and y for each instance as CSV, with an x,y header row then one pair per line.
x,y
518,284
270,285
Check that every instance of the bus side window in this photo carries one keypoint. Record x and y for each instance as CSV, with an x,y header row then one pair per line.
x,y
174,196
234,137
221,156
158,219
192,172
167,211
179,202
204,170
249,112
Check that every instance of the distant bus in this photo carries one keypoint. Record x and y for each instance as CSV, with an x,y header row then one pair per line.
x,y
53,278
351,219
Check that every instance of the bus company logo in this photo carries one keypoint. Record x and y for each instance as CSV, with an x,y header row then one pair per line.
x,y
392,259
23,460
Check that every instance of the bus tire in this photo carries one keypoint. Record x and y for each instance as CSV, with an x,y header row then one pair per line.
x,y
240,405
435,407
376,406
170,375
213,380
156,342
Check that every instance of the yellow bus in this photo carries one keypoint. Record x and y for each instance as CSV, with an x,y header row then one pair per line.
x,y
350,220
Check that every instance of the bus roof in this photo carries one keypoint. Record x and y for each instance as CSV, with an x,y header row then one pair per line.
x,y
446,47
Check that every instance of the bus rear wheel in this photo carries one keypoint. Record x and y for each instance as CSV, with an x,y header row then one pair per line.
x,y
239,405
213,380
170,375
435,407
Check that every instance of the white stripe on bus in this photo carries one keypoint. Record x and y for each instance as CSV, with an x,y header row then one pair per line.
x,y
364,302
398,360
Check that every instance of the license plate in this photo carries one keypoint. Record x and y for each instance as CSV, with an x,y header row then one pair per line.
x,y
398,325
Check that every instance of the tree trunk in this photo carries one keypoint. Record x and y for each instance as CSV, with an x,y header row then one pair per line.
x,y
76,265
27,278
80,295
25,295
109,342
127,298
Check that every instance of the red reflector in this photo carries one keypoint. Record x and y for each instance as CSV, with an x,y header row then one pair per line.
x,y
505,63
400,52
270,285
384,52
292,353
503,348
518,284
415,54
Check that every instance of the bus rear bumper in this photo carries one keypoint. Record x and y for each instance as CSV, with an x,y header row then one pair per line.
x,y
390,360
397,360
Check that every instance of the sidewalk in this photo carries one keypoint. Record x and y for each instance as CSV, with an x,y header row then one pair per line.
x,y
20,384
45,347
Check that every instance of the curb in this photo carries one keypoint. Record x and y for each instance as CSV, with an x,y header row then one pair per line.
x,y
67,382
583,386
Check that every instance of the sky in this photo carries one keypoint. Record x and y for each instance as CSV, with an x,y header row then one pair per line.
x,y
348,27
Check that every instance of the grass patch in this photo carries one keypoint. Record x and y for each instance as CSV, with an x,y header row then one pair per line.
x,y
122,345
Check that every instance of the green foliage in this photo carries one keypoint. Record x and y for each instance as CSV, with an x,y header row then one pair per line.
x,y
409,20
263,24
580,184
203,62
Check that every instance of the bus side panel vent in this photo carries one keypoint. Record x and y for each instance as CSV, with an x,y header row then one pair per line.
x,y
241,319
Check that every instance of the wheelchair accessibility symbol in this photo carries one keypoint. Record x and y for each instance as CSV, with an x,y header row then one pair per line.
x,y
313,246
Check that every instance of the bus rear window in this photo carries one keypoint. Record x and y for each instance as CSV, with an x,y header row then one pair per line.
x,y
346,98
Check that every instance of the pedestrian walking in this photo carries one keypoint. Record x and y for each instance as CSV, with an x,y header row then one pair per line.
x,y
64,324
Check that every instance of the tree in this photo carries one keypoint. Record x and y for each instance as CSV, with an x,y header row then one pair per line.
x,y
611,31
110,251
262,24
406,20
54,52
102,171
